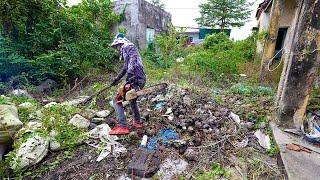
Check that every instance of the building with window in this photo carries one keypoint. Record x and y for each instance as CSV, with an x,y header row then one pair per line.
x,y
142,20
263,16
197,35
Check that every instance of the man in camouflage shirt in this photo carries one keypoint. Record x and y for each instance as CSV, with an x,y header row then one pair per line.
x,y
135,76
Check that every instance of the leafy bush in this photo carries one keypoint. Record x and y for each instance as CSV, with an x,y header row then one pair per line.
x,y
48,39
207,64
221,56
217,41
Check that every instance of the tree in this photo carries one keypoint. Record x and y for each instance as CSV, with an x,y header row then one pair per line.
x,y
158,4
224,13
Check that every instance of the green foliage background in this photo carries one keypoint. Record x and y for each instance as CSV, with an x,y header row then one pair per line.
x,y
47,39
217,58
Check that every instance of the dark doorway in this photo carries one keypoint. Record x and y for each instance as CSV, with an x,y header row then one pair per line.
x,y
280,41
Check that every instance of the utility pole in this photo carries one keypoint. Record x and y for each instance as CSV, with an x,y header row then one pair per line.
x,y
301,65
270,44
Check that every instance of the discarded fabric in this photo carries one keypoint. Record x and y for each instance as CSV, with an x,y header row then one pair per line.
x,y
165,137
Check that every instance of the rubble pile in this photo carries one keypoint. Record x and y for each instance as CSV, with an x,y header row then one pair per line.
x,y
191,115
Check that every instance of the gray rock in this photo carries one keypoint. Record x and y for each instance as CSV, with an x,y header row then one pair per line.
x,y
97,121
79,121
103,114
9,123
191,154
21,93
47,86
26,105
31,152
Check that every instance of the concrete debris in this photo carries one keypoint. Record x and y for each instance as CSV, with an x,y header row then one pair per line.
x,y
29,127
264,140
26,105
21,93
36,115
103,114
170,168
31,152
113,148
51,104
54,145
76,101
9,123
235,117
79,121
101,133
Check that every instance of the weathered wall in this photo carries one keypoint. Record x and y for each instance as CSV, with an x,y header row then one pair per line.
x,y
286,20
288,13
141,15
151,17
131,22
264,22
301,66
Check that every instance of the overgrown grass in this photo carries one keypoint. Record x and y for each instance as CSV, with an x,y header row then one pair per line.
x,y
216,172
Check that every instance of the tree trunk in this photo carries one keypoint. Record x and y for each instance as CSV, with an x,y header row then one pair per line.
x,y
270,45
301,66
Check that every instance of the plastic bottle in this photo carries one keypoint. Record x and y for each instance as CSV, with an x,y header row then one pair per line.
x,y
144,141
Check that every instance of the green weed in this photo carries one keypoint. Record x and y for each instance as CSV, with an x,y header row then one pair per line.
x,y
216,172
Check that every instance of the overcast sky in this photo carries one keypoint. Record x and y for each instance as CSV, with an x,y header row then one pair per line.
x,y
185,11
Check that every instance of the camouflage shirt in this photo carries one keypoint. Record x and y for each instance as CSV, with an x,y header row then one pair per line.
x,y
133,66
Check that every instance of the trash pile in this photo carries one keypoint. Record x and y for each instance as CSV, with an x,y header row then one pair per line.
x,y
194,116
180,127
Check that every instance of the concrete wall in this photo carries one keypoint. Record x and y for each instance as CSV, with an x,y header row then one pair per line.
x,y
286,19
264,22
131,22
141,15
288,13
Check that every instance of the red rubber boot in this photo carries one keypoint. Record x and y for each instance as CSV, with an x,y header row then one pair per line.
x,y
137,125
119,130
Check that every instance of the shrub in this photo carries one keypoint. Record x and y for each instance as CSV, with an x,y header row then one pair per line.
x,y
48,39
219,41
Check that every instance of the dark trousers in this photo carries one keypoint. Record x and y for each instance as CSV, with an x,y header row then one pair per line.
x,y
119,109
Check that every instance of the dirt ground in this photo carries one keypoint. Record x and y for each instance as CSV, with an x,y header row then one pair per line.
x,y
210,134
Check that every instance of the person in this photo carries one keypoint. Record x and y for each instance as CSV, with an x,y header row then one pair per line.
x,y
135,78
